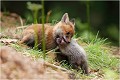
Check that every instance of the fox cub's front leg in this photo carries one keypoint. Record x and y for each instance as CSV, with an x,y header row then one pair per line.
x,y
28,40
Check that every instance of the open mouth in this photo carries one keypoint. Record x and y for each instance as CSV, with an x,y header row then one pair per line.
x,y
66,39
62,40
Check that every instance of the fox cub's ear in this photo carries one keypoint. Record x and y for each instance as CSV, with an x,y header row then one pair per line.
x,y
73,21
65,18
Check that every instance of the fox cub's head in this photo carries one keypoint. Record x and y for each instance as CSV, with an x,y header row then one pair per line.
x,y
64,30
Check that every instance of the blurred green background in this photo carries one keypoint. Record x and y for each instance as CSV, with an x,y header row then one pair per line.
x,y
90,17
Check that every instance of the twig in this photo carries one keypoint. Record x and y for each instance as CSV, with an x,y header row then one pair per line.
x,y
21,27
48,15
21,21
54,66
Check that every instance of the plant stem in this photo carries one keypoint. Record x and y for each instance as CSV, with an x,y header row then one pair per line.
x,y
36,38
88,18
88,14
35,16
35,30
43,31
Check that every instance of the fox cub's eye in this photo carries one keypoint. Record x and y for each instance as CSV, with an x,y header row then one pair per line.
x,y
67,33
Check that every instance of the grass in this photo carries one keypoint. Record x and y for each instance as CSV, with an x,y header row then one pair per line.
x,y
100,59
35,54
99,56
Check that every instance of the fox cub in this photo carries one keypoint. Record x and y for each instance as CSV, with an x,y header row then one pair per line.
x,y
65,26
75,54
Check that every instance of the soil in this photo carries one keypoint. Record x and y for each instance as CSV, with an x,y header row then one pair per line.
x,y
16,66
10,20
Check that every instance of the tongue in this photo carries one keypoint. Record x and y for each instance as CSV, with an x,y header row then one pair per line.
x,y
62,41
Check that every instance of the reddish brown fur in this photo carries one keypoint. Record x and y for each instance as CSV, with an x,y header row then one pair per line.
x,y
66,28
51,32
29,32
